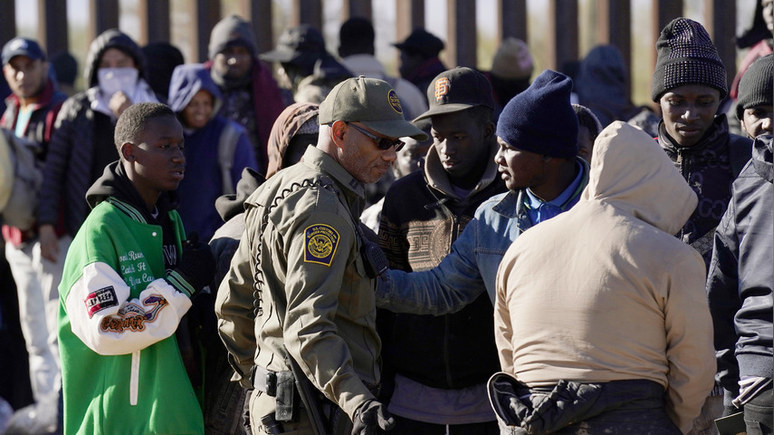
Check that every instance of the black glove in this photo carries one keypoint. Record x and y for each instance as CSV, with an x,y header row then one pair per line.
x,y
368,233
370,417
196,268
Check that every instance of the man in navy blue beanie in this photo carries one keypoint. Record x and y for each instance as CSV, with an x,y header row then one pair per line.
x,y
537,136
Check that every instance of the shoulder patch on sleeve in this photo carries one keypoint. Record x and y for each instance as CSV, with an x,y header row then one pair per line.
x,y
320,244
101,299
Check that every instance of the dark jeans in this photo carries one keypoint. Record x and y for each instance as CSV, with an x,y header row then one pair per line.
x,y
758,413
406,426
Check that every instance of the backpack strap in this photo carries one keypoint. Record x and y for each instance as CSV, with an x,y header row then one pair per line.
x,y
226,148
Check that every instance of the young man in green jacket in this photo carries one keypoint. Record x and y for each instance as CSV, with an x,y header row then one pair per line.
x,y
127,282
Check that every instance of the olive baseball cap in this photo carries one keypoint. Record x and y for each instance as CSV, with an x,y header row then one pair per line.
x,y
371,102
458,89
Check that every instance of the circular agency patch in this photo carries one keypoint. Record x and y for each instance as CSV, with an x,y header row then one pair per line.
x,y
392,98
321,242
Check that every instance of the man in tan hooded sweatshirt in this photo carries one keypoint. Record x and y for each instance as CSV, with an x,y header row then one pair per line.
x,y
604,307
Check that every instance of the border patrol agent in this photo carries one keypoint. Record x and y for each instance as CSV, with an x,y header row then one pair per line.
x,y
300,291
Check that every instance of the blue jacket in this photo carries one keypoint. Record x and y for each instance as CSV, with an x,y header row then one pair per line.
x,y
202,184
474,257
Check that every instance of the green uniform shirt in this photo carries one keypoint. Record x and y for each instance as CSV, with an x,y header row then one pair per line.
x,y
310,252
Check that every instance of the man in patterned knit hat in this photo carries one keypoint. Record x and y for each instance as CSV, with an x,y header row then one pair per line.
x,y
689,84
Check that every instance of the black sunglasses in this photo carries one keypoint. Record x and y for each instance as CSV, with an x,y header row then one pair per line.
x,y
383,143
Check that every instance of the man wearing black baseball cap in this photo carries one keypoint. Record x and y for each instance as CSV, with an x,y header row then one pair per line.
x,y
423,214
419,61
31,111
537,136
298,301
306,67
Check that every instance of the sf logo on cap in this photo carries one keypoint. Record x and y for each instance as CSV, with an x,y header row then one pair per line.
x,y
441,88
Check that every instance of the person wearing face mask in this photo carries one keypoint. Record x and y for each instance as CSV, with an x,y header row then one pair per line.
x,y
81,145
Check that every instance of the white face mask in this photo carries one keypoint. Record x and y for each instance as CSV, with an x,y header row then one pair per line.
x,y
112,80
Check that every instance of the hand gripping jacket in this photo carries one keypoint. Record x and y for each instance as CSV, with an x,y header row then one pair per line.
x,y
122,370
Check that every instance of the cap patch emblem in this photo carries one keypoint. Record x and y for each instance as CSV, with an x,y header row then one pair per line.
x,y
392,98
321,242
441,88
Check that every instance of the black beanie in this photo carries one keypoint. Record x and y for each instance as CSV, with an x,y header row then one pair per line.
x,y
541,119
755,87
686,55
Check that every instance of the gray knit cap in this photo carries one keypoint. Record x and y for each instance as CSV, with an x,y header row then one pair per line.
x,y
686,55
756,88
232,30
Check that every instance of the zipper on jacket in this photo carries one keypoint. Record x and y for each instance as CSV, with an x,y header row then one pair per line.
x,y
685,172
134,378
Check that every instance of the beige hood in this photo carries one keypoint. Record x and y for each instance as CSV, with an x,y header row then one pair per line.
x,y
631,171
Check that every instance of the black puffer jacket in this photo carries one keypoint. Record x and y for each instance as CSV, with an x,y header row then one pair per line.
x,y
68,171
741,276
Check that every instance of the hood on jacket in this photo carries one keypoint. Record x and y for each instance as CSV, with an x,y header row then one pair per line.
x,y
231,205
286,126
186,81
111,38
437,177
631,171
601,84
763,157
114,182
